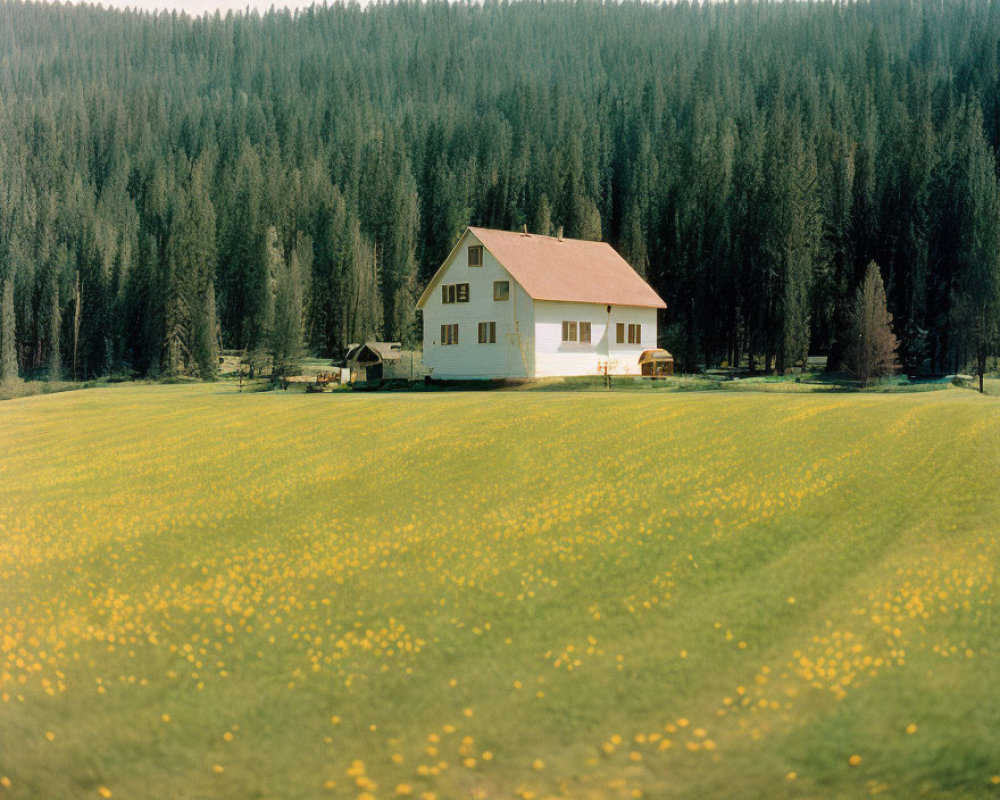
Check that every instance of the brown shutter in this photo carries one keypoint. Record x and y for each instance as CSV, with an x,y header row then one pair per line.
x,y
621,332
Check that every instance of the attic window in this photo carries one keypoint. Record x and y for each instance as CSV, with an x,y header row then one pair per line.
x,y
476,255
501,290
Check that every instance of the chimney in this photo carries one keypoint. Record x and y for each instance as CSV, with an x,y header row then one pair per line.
x,y
559,233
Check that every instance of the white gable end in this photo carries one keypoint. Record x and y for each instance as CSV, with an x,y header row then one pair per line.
x,y
510,354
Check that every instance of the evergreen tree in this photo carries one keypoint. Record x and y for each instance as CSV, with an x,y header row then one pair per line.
x,y
8,349
55,330
286,334
976,301
871,345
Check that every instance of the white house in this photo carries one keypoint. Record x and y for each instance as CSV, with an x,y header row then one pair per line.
x,y
518,305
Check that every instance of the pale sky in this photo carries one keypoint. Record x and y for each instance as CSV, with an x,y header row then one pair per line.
x,y
199,7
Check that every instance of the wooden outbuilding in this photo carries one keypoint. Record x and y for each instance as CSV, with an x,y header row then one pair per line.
x,y
367,362
656,363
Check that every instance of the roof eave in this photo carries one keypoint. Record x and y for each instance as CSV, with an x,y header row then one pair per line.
x,y
433,282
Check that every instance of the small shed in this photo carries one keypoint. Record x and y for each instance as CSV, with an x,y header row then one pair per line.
x,y
656,363
367,361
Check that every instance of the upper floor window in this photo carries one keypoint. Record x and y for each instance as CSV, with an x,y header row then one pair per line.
x,y
454,293
476,255
501,290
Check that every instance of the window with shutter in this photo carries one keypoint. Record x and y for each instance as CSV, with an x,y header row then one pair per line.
x,y
487,332
585,333
620,331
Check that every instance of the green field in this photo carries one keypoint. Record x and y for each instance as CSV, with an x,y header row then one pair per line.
x,y
498,594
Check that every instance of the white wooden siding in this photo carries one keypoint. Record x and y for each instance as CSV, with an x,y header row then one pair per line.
x,y
512,356
554,357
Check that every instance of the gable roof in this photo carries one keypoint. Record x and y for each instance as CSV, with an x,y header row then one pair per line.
x,y
373,352
564,270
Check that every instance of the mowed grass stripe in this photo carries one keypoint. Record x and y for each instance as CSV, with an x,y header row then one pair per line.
x,y
494,594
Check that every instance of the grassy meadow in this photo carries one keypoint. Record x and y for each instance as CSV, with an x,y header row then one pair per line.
x,y
207,594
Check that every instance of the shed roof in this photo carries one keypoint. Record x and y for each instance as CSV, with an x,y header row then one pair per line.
x,y
565,270
655,355
374,352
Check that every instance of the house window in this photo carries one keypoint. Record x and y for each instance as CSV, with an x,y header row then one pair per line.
x,y
620,331
487,333
455,293
449,334
569,331
635,334
501,290
476,255
584,333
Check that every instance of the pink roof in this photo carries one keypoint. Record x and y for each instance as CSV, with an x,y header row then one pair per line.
x,y
565,270
568,270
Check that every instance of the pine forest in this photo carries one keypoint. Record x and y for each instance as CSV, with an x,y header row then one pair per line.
x,y
171,186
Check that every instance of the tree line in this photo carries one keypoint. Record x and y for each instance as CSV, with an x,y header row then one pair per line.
x,y
172,185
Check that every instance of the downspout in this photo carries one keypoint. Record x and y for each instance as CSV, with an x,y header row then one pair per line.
x,y
607,364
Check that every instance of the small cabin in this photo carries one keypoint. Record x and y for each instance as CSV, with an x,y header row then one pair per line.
x,y
656,363
367,362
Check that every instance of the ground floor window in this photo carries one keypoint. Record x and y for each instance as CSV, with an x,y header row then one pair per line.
x,y
487,333
585,333
569,331
634,333
449,334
